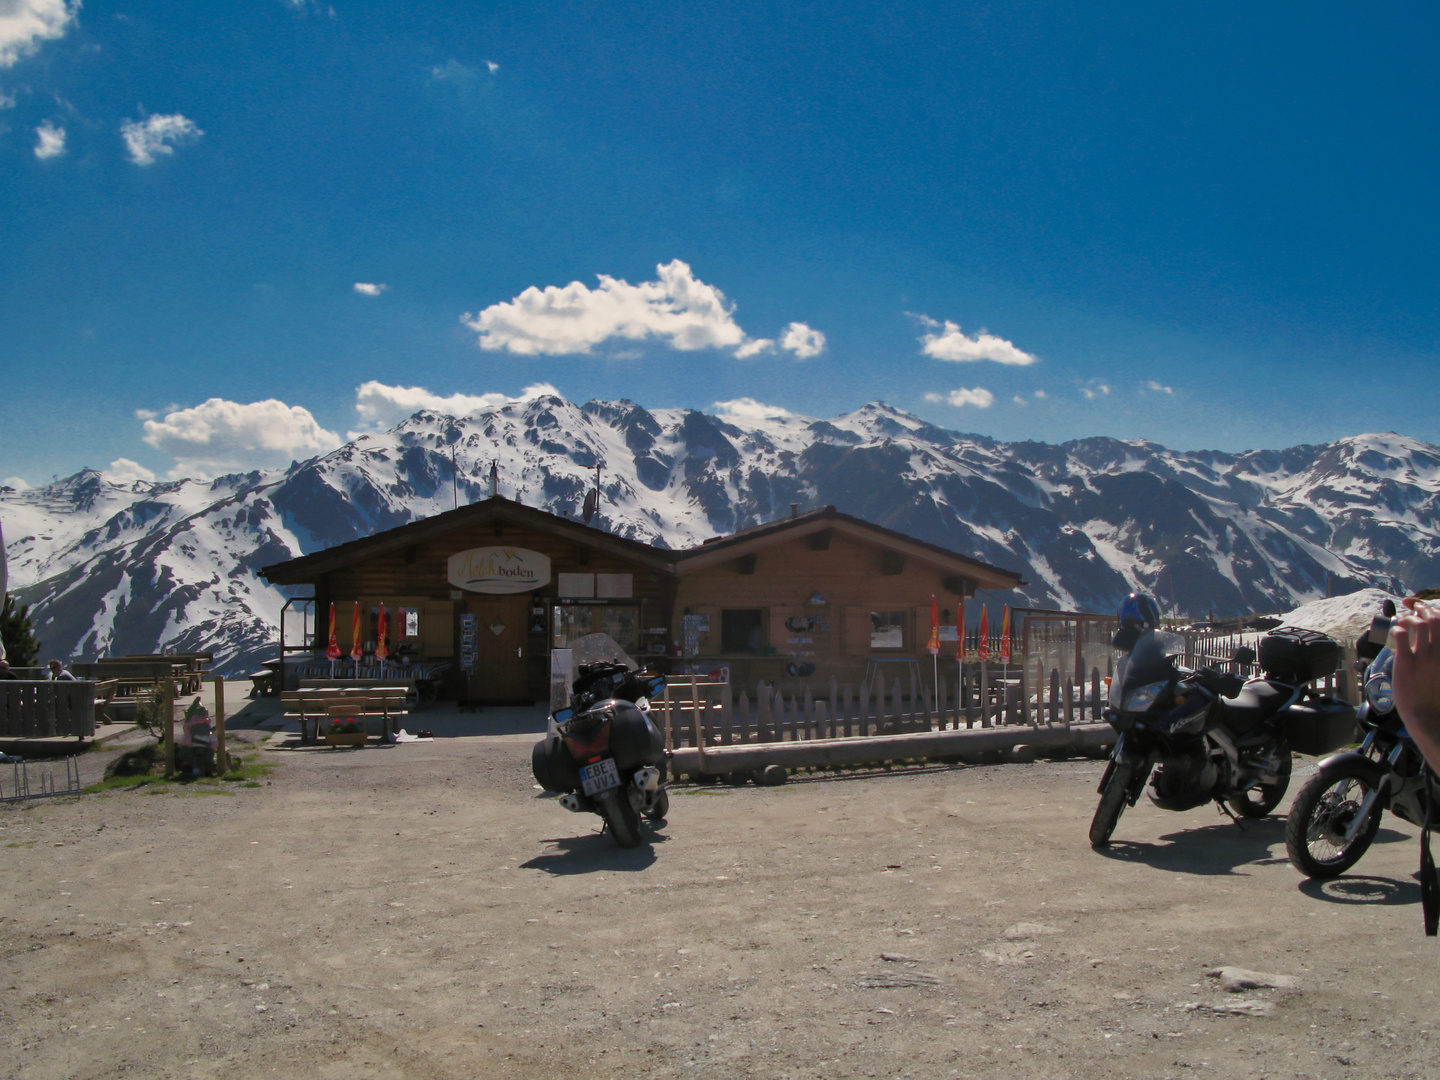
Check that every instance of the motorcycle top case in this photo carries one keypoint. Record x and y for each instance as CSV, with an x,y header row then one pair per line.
x,y
1320,725
1293,655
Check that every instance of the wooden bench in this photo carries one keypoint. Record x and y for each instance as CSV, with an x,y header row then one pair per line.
x,y
311,705
262,683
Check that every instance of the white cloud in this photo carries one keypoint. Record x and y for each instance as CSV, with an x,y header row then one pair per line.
x,y
365,288
1041,394
221,436
1095,390
746,408
1155,386
126,471
493,66
7,101
1019,400
16,482
802,341
454,72
679,310
26,23
979,397
49,140
157,135
382,407
950,344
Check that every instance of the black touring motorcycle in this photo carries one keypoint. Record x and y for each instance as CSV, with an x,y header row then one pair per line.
x,y
1214,736
1335,817
602,754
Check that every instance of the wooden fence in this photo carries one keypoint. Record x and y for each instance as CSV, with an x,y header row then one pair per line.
x,y
696,711
46,709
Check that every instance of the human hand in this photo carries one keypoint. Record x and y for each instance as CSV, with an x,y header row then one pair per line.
x,y
1415,638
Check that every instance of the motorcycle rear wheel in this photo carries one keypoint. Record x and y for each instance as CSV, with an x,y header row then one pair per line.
x,y
1323,811
620,817
1259,801
1112,802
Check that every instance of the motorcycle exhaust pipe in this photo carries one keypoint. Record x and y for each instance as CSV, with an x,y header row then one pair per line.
x,y
647,780
571,802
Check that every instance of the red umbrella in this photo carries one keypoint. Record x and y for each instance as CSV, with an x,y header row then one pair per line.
x,y
1005,637
960,632
380,650
357,648
332,650
933,645
983,650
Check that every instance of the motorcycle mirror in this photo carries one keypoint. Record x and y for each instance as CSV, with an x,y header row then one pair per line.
x,y
561,715
1370,643
1243,655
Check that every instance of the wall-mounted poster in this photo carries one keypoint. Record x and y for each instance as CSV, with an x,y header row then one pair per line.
x,y
498,570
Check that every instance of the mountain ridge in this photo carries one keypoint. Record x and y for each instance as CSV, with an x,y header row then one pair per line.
x,y
112,566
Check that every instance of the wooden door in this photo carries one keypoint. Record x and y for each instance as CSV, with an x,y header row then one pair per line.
x,y
499,675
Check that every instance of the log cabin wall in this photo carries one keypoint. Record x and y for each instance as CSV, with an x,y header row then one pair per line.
x,y
786,583
416,576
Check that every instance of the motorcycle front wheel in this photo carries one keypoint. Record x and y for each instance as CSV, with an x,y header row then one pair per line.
x,y
1322,815
1112,802
620,817
660,807
1260,800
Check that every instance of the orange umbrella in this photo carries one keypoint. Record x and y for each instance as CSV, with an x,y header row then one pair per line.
x,y
332,650
933,645
983,651
357,648
380,650
960,632
1005,637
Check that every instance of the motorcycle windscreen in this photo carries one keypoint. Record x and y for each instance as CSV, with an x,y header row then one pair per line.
x,y
1153,658
600,648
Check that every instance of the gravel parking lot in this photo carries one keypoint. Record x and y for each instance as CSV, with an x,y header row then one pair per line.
x,y
421,911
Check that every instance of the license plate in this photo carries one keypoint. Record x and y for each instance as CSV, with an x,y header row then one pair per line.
x,y
602,776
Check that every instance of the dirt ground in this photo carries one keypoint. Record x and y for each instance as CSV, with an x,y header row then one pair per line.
x,y
421,911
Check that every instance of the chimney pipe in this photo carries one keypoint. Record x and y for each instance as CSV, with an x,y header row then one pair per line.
x,y
794,510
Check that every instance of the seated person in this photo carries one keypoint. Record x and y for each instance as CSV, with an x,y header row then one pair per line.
x,y
6,672
59,673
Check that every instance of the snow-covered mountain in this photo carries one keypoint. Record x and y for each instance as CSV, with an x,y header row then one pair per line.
x,y
140,567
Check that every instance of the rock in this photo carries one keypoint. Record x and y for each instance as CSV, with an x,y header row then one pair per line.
x,y
1239,979
891,979
1010,953
900,958
1024,931
1239,1008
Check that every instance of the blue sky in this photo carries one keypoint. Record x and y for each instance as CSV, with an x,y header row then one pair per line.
x,y
236,233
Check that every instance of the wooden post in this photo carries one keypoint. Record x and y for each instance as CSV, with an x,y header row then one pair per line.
x,y
1095,693
1055,695
986,718
762,712
744,717
1069,701
809,724
942,694
727,716
167,718
222,761
834,712
1024,698
665,715
822,720
847,698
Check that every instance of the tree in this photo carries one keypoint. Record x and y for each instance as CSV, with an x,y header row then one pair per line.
x,y
22,648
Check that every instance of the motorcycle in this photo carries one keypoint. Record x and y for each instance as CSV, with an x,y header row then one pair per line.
x,y
602,754
1209,735
1336,815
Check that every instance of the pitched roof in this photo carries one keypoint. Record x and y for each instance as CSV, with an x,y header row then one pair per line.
x,y
758,537
308,567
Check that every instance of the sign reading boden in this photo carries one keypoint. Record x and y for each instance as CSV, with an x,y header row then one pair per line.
x,y
498,570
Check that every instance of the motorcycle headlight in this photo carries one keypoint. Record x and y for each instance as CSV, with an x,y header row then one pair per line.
x,y
1142,698
1380,693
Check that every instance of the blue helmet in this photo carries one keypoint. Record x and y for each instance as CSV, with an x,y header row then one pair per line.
x,y
1139,612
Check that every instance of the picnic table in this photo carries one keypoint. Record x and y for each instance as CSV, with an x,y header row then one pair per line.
x,y
316,704
422,679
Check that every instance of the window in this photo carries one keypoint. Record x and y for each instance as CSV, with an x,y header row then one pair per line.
x,y
573,621
740,631
887,629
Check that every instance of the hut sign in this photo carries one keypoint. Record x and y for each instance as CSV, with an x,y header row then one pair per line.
x,y
498,570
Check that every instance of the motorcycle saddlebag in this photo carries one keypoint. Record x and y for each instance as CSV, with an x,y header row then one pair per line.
x,y
1295,656
555,770
634,740
1320,725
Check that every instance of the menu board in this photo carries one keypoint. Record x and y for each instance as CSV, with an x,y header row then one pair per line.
x,y
469,642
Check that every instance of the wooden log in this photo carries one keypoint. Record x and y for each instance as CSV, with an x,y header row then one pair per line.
x,y
222,760
873,749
